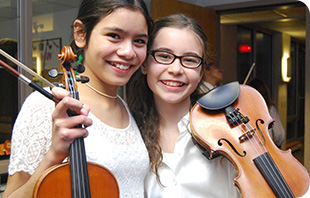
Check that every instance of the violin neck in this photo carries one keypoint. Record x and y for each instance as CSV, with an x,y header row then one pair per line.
x,y
80,187
273,176
79,172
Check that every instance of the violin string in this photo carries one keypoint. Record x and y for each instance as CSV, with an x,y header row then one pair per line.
x,y
81,172
253,143
27,69
265,160
246,134
274,172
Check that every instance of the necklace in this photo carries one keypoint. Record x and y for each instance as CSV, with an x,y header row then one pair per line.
x,y
103,94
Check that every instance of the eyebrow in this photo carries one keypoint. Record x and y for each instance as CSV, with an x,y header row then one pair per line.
x,y
170,51
124,32
163,49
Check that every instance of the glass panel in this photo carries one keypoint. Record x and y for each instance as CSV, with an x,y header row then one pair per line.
x,y
296,92
263,60
290,127
244,52
256,49
301,90
52,29
8,83
291,86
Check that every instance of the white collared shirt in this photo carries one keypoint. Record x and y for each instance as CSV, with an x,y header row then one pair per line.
x,y
206,87
187,173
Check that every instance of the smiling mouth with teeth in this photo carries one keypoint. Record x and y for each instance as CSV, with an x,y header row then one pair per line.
x,y
173,84
121,66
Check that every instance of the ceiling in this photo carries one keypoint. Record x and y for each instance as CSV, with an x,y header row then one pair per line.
x,y
286,16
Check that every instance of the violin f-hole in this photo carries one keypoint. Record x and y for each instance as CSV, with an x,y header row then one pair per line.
x,y
219,142
261,133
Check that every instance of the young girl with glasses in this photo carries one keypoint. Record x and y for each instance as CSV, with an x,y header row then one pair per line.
x,y
162,94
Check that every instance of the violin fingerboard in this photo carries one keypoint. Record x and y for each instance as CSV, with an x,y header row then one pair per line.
x,y
273,176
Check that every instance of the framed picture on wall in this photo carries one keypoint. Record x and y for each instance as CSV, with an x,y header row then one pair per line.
x,y
45,55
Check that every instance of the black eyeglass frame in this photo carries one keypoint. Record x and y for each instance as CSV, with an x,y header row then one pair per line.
x,y
152,52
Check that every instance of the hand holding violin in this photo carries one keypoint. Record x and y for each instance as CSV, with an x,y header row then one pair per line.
x,y
52,178
72,179
64,132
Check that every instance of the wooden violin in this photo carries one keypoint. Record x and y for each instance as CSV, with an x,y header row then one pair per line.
x,y
76,178
232,120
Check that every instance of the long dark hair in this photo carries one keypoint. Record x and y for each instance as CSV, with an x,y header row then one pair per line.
x,y
9,46
141,99
92,11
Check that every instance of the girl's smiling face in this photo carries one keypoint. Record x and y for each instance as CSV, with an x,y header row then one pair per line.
x,y
174,83
116,47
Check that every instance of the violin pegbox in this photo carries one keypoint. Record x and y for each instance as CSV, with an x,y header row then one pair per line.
x,y
68,70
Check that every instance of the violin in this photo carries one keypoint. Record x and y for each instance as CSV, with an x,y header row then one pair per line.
x,y
76,178
232,120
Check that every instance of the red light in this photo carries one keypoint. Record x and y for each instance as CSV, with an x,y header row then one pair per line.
x,y
245,48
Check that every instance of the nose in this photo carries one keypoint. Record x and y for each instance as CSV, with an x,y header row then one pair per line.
x,y
126,50
176,67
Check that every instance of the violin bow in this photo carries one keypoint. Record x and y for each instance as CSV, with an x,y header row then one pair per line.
x,y
25,68
29,82
250,71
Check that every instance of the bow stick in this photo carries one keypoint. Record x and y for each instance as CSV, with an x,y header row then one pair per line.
x,y
25,68
250,71
29,82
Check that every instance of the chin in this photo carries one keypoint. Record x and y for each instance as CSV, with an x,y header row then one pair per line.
x,y
171,100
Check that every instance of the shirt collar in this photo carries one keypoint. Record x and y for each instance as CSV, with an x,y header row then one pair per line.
x,y
183,124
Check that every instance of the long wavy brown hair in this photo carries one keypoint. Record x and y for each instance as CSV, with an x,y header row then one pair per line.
x,y
141,99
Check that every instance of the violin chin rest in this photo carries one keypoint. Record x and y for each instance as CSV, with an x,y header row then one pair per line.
x,y
220,97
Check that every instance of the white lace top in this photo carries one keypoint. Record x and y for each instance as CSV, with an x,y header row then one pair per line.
x,y
122,151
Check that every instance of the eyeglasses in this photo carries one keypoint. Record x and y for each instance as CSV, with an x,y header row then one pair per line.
x,y
167,58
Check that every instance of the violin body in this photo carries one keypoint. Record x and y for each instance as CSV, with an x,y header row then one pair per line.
x,y
56,182
243,146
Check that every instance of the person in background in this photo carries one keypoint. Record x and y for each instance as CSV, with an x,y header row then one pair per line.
x,y
277,131
112,36
214,75
8,83
8,96
163,92
9,46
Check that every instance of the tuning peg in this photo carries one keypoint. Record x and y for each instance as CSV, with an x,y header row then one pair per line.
x,y
80,68
82,79
58,85
53,73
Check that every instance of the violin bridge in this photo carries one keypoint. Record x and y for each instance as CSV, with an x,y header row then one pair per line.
x,y
246,136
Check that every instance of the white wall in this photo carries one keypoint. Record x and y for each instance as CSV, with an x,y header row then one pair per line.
x,y
62,22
